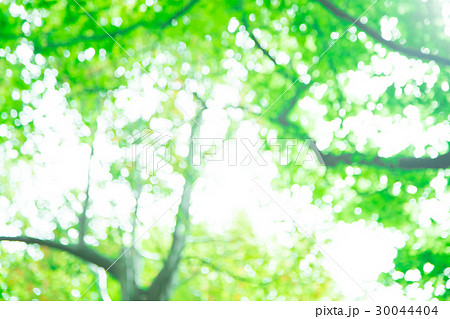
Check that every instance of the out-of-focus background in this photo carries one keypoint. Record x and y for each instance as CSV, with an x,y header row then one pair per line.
x,y
365,215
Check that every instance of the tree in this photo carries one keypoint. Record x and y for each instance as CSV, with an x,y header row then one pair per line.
x,y
285,58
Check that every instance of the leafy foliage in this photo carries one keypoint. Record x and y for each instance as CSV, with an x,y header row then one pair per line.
x,y
104,70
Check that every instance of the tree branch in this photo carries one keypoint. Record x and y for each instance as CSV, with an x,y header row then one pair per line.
x,y
231,274
259,46
83,217
121,31
283,117
281,69
82,252
377,36
301,87
396,162
162,285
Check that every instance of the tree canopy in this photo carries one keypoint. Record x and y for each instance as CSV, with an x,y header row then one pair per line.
x,y
364,84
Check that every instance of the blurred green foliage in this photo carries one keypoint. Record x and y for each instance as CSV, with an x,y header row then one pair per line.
x,y
186,44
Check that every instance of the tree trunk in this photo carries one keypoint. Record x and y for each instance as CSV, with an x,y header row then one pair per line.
x,y
164,283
